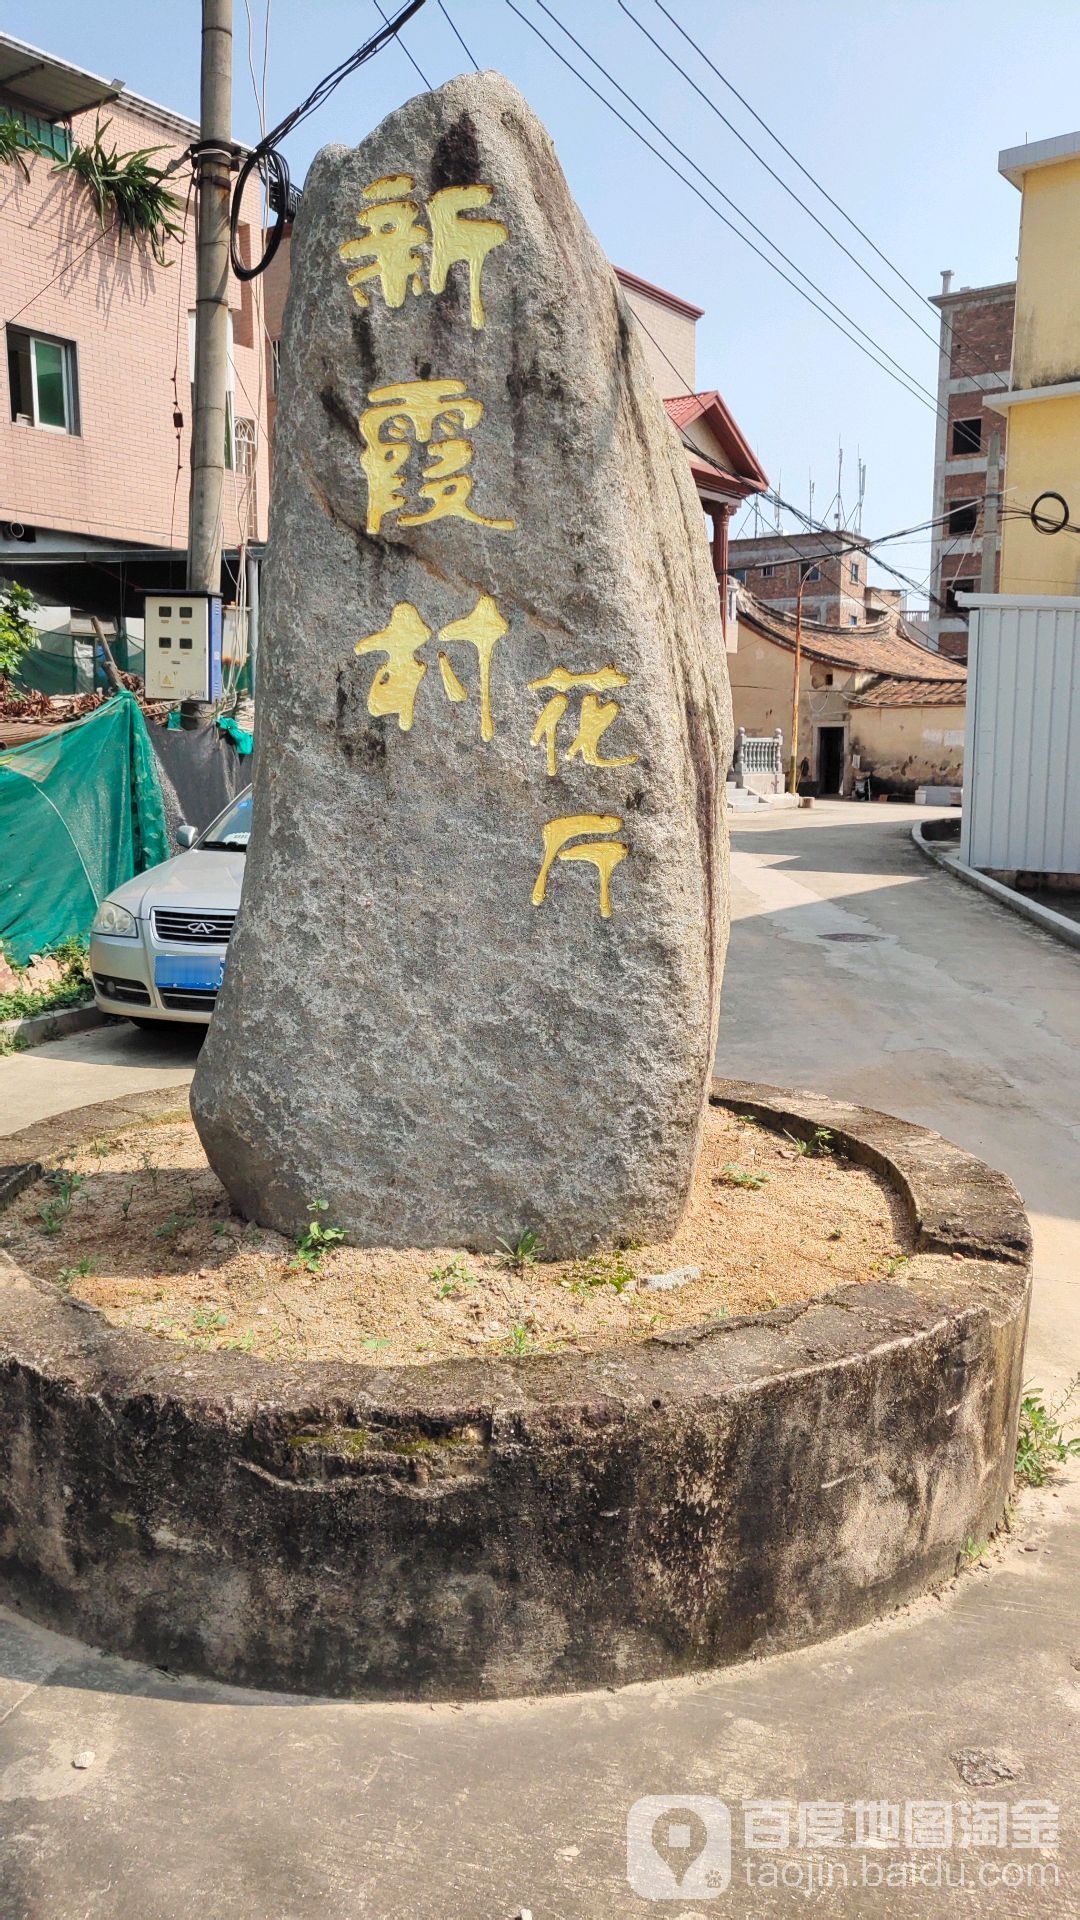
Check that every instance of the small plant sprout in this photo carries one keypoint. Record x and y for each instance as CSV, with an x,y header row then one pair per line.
x,y
125,1205
450,1280
54,1212
602,1270
835,1233
372,1345
317,1240
732,1176
820,1141
1044,1441
519,1342
174,1225
520,1253
80,1271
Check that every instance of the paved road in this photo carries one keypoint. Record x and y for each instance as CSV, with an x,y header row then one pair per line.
x,y
231,1806
102,1064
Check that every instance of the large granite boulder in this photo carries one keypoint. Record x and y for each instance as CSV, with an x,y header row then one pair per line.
x,y
473,987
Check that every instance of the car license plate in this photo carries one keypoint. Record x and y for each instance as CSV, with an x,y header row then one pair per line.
x,y
199,972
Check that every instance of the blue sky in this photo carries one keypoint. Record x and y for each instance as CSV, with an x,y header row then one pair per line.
x,y
899,108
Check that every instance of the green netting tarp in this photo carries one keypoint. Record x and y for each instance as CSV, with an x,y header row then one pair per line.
x,y
80,811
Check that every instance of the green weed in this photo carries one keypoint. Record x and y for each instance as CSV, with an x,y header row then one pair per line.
x,y
451,1279
80,1271
317,1240
520,1341
820,1141
520,1253
602,1270
732,1176
1044,1440
174,1225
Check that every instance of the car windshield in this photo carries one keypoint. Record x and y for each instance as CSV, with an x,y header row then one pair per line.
x,y
231,831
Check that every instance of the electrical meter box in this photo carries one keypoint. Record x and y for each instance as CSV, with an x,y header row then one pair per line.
x,y
182,639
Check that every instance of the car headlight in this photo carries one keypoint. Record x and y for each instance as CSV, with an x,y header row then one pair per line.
x,y
116,920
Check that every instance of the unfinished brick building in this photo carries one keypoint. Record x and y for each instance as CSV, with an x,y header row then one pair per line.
x,y
974,360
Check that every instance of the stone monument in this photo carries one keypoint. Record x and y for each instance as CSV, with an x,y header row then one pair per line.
x,y
473,987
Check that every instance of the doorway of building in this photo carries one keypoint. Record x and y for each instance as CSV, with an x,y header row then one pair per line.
x,y
830,759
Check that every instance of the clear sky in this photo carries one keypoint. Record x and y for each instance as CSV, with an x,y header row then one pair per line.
x,y
898,107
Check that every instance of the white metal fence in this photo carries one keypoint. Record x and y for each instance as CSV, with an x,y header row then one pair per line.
x,y
1022,748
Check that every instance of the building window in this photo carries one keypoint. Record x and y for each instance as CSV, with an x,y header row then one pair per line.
x,y
43,381
853,619
244,445
738,574
962,516
966,436
810,572
766,572
954,587
854,572
53,136
275,366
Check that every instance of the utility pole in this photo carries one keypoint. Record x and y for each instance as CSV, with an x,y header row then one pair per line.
x,y
213,179
793,773
991,506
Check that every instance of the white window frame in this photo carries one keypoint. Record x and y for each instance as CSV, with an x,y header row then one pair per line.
x,y
67,348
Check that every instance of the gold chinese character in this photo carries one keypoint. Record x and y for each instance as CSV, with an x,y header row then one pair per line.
x,y
393,237
396,683
481,629
394,687
436,414
455,238
596,715
603,854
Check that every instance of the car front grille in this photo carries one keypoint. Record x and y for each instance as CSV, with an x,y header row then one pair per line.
x,y
188,999
132,992
191,928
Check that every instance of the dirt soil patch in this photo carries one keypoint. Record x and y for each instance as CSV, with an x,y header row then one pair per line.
x,y
135,1223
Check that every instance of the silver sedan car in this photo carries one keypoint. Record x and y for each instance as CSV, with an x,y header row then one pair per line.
x,y
158,943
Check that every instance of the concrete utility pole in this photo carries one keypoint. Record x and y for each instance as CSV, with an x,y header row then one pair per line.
x,y
991,506
213,193
793,772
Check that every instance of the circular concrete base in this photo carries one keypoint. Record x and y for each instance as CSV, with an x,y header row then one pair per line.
x,y
499,1527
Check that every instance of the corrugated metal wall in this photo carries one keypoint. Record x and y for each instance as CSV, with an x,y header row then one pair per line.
x,y
1022,747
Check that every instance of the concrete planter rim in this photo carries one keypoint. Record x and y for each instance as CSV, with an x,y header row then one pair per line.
x,y
513,1455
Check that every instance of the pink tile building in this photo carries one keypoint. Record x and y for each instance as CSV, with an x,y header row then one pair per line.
x,y
94,473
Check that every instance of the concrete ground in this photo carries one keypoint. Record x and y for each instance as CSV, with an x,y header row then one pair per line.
x,y
101,1064
856,968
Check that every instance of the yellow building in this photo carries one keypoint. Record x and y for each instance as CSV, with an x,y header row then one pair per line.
x,y
1042,405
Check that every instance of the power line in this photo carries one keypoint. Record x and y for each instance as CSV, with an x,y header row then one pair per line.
x,y
413,62
904,379
462,42
775,498
805,171
771,171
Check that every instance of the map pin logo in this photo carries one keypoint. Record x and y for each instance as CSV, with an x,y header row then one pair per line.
x,y
680,1837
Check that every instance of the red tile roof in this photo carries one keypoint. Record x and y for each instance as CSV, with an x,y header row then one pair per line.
x,y
879,647
889,691
743,469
